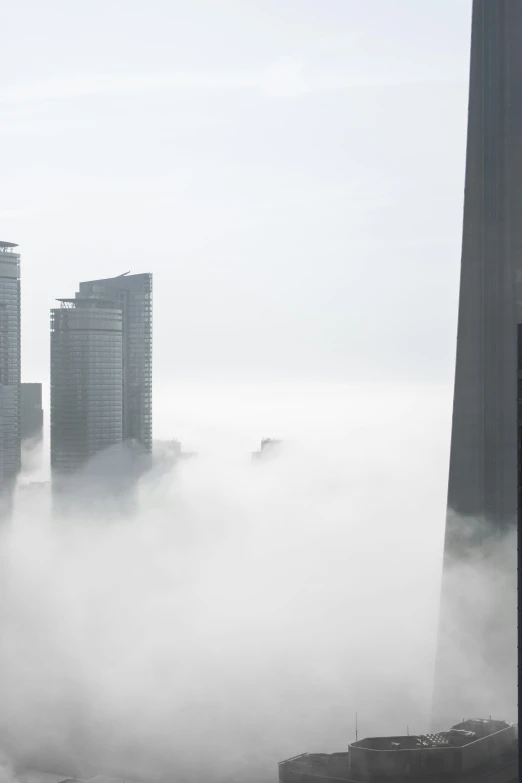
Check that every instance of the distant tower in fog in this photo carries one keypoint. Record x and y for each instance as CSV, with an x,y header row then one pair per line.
x,y
479,629
86,381
269,447
9,365
31,412
134,295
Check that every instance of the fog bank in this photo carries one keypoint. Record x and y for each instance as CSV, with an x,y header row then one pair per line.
x,y
241,613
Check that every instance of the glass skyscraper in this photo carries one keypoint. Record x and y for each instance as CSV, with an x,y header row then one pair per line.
x,y
101,371
134,294
9,365
86,381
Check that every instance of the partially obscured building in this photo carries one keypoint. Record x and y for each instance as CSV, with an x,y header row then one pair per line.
x,y
9,366
475,750
134,295
166,454
31,411
86,381
101,385
168,450
269,447
477,638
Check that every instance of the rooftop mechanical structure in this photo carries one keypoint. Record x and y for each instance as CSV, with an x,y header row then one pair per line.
x,y
471,751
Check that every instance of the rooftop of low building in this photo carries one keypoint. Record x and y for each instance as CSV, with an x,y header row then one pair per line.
x,y
366,756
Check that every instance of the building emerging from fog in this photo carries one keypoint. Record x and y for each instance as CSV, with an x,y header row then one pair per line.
x,y
10,452
101,372
31,412
86,381
269,447
482,494
134,295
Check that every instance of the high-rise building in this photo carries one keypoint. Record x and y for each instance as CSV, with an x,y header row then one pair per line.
x,y
134,293
476,662
86,381
9,365
101,373
31,412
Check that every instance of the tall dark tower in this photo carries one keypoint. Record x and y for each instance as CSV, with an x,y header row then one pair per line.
x,y
10,444
476,662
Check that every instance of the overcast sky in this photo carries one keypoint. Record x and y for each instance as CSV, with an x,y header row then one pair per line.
x,y
291,171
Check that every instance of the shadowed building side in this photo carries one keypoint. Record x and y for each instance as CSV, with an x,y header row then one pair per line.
x,y
482,493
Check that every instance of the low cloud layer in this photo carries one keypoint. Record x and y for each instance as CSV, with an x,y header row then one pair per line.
x,y
477,664
239,613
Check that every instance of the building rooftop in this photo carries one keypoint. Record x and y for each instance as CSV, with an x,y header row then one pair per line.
x,y
459,735
486,746
7,245
127,281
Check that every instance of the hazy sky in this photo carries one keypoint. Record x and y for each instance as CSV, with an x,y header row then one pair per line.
x,y
291,171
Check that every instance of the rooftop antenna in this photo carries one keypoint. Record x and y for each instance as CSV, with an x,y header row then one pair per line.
x,y
356,729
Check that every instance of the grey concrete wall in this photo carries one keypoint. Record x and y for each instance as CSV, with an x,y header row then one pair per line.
x,y
482,491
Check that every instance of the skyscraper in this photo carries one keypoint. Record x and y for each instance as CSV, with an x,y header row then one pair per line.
x,y
477,634
101,372
134,293
86,381
9,366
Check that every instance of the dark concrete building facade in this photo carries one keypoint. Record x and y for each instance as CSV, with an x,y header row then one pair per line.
x,y
477,637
